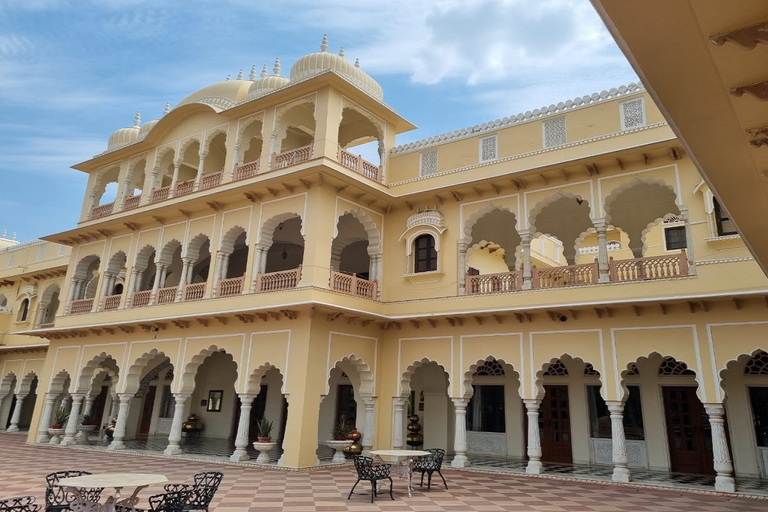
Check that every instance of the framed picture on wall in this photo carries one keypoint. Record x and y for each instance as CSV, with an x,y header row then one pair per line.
x,y
214,400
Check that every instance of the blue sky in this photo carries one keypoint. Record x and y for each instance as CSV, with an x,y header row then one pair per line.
x,y
74,71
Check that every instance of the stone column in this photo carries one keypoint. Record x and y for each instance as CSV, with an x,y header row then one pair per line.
x,y
108,278
534,441
174,179
369,423
724,480
199,176
16,414
460,460
602,251
185,264
397,423
235,160
620,460
88,404
525,237
174,438
45,419
463,246
382,160
688,241
74,418
65,402
115,407
146,196
122,420
156,284
243,429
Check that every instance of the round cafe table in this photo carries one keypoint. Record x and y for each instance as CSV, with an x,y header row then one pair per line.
x,y
402,468
116,480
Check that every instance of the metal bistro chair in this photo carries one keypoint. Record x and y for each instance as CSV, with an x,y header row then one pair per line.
x,y
430,464
367,470
174,501
57,499
19,504
201,492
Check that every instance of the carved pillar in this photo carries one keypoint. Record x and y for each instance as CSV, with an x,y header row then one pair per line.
x,y
602,251
174,438
146,196
534,441
724,480
175,178
115,407
74,417
463,246
369,423
243,429
88,404
688,241
122,420
91,204
382,160
397,423
460,460
45,419
186,263
199,176
620,460
525,237
16,414
235,160
65,402
156,284
72,289
108,280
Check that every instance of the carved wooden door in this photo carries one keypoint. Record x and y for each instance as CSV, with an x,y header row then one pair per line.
x,y
146,411
688,431
555,425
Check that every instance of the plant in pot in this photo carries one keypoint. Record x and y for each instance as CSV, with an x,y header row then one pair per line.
x,y
88,420
264,426
60,418
342,429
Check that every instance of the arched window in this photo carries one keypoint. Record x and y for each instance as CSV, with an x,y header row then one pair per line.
x,y
725,225
23,311
425,257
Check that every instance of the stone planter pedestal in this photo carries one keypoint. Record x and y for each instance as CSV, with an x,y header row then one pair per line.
x,y
85,431
55,434
264,448
339,446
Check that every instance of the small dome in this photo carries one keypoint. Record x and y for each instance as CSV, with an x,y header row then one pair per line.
x,y
125,136
267,83
222,95
316,63
147,127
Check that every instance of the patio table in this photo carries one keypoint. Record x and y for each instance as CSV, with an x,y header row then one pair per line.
x,y
116,480
402,468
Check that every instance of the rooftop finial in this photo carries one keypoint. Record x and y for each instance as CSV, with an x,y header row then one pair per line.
x,y
324,44
252,76
228,78
5,233
357,63
277,67
264,71
13,236
137,119
341,52
240,74
167,107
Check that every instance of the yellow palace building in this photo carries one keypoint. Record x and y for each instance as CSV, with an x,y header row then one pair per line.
x,y
559,285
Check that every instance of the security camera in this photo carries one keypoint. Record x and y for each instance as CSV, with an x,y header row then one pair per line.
x,y
562,317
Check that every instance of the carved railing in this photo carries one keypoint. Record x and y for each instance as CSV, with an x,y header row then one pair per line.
x,y
358,164
166,295
211,180
246,170
159,194
141,298
230,286
292,157
111,302
194,291
353,285
184,187
80,306
494,283
101,211
274,281
572,275
131,202
655,267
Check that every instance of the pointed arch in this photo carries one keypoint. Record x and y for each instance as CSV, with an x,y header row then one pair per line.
x,y
45,298
405,379
219,130
375,121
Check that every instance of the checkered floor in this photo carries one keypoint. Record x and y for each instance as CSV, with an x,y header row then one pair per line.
x,y
249,488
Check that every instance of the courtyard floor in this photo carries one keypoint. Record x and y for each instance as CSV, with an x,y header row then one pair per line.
x,y
248,488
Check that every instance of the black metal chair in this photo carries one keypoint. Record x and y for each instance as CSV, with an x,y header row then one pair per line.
x,y
173,501
201,492
58,499
367,470
19,504
430,464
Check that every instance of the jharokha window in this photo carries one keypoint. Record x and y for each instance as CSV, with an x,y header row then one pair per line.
x,y
426,255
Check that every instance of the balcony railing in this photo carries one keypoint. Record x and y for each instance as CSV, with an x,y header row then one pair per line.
x,y
292,157
101,210
573,275
111,302
141,298
78,307
246,170
274,281
359,165
160,194
211,180
131,202
194,291
166,295
495,283
231,286
353,285
656,267
184,187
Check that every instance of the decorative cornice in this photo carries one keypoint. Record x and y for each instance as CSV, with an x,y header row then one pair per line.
x,y
724,260
218,102
539,113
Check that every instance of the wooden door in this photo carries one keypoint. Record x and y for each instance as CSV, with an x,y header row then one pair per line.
x,y
146,411
688,431
555,425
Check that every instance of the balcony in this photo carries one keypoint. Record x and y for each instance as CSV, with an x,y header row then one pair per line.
x,y
359,165
111,302
247,170
132,202
292,157
353,285
78,307
495,283
275,281
231,286
101,211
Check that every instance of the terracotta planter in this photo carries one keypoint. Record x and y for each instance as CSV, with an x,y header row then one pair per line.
x,y
264,439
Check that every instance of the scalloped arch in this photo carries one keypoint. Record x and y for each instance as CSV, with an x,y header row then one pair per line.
x,y
190,369
194,246
284,109
658,357
374,237
99,180
82,266
739,362
117,262
473,219
47,295
144,255
466,382
634,182
370,117
57,383
363,370
405,380
254,379
551,199
133,164
26,383
566,359
258,118
166,255
161,152
228,240
655,222
268,228
186,144
209,137
133,375
6,384
89,370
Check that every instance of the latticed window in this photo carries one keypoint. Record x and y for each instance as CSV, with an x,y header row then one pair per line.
x,y
489,148
428,163
590,370
671,366
632,113
554,132
426,255
556,368
725,225
758,365
492,368
632,370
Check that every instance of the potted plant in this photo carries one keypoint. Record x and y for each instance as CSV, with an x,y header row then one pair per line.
x,y
60,418
264,426
88,420
342,429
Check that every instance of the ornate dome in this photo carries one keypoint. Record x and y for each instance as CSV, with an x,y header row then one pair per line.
x,y
147,127
221,95
125,136
316,63
267,83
